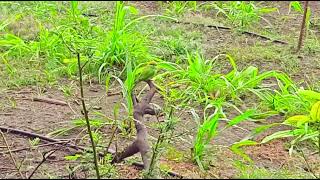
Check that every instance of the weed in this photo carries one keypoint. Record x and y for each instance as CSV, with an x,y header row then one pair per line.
x,y
304,127
254,172
67,90
179,8
166,131
242,14
34,142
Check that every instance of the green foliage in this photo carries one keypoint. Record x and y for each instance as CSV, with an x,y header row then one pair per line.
x,y
107,170
121,43
211,89
166,130
34,143
254,172
241,13
206,132
304,127
105,49
202,84
295,5
178,8
236,148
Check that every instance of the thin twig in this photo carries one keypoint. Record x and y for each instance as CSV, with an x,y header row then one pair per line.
x,y
22,161
87,118
12,158
113,135
47,100
33,135
308,165
27,148
72,109
44,158
6,114
50,101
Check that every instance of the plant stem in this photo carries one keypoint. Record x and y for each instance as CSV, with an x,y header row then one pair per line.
x,y
12,158
303,24
44,158
87,119
115,128
308,165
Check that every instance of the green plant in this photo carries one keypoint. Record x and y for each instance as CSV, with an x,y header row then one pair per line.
x,y
295,5
105,166
166,130
242,14
207,129
206,132
202,84
222,91
179,8
34,142
123,43
304,127
67,90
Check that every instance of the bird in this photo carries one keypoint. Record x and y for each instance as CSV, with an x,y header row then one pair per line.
x,y
146,72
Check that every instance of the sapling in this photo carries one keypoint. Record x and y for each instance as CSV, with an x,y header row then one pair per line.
x,y
87,118
165,135
303,25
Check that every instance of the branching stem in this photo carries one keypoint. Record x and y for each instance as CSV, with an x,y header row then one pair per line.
x,y
87,118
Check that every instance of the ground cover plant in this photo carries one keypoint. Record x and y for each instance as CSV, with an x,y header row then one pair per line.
x,y
159,89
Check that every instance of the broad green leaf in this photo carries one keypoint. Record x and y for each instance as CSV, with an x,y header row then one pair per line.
x,y
297,120
69,61
315,112
93,122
